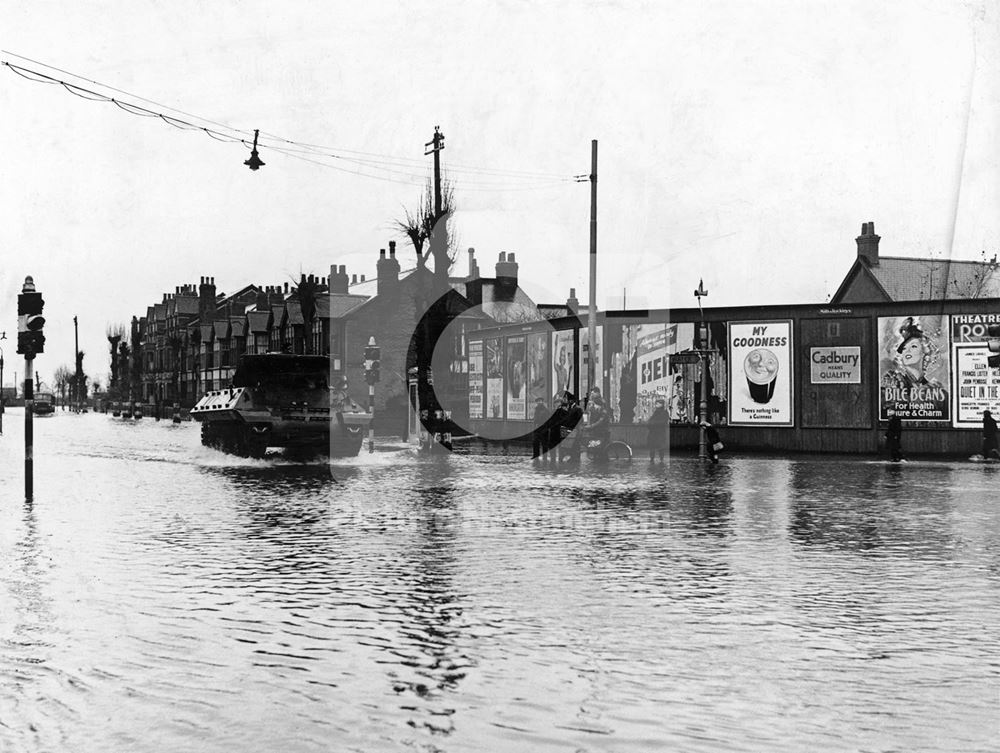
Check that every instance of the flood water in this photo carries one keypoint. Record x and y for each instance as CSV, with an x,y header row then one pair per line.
x,y
160,596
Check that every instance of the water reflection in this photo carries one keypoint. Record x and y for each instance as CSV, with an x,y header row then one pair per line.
x,y
457,603
876,509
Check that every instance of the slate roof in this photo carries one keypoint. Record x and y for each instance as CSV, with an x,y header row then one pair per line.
x,y
294,309
914,279
258,320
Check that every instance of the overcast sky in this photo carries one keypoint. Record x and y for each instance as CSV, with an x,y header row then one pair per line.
x,y
741,142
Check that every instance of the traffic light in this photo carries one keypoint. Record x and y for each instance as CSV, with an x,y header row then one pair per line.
x,y
373,355
30,339
993,332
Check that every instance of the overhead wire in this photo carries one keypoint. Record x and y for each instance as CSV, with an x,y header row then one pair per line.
x,y
478,177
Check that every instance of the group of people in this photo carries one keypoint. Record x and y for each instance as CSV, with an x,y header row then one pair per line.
x,y
553,429
894,438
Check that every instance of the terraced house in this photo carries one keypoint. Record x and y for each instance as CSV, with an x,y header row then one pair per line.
x,y
190,342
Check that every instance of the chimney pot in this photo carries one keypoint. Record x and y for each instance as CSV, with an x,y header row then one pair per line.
x,y
343,269
362,278
572,292
381,253
510,257
354,279
503,256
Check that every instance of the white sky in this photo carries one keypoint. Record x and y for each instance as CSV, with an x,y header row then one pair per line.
x,y
741,142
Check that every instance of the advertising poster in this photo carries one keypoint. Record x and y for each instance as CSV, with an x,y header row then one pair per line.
x,y
623,377
914,368
517,354
975,386
760,373
585,355
563,358
657,378
537,369
835,365
494,378
476,384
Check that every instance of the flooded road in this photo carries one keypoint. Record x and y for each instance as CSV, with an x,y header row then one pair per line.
x,y
160,596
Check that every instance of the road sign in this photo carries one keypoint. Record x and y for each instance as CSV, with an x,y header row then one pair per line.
x,y
685,358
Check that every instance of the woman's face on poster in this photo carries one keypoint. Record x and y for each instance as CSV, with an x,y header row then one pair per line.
x,y
912,355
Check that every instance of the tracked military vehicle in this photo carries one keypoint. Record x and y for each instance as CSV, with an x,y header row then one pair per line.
x,y
281,400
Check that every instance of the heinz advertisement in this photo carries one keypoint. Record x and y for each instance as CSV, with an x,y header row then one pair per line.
x,y
760,373
914,368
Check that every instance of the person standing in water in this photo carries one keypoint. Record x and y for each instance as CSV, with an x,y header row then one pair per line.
x,y
990,451
894,439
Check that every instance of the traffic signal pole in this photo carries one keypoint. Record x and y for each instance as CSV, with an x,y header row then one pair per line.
x,y
30,342
29,409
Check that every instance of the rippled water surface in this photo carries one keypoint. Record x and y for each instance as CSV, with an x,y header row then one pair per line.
x,y
161,596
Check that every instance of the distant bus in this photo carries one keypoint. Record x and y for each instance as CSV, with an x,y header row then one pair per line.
x,y
45,403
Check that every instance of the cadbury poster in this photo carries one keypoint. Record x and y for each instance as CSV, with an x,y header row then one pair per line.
x,y
760,373
914,368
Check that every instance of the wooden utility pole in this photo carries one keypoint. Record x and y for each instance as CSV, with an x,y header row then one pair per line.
x,y
592,304
76,366
436,144
438,238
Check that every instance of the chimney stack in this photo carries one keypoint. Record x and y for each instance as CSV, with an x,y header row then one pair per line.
x,y
387,269
868,244
338,279
506,270
473,265
206,300
572,304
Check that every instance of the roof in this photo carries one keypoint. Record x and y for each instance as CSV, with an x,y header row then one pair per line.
x,y
186,304
258,320
341,305
914,279
520,309
294,309
369,288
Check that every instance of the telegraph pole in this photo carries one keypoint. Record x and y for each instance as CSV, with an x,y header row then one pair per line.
x,y
76,366
436,144
592,304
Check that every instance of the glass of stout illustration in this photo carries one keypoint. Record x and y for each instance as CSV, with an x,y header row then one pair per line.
x,y
761,368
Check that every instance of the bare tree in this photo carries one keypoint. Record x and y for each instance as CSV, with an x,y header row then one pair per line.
x,y
115,333
427,228
981,283
62,378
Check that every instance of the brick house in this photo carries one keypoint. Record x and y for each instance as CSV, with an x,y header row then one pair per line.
x,y
879,279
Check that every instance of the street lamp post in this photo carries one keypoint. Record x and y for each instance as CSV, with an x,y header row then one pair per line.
x,y
703,347
3,336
